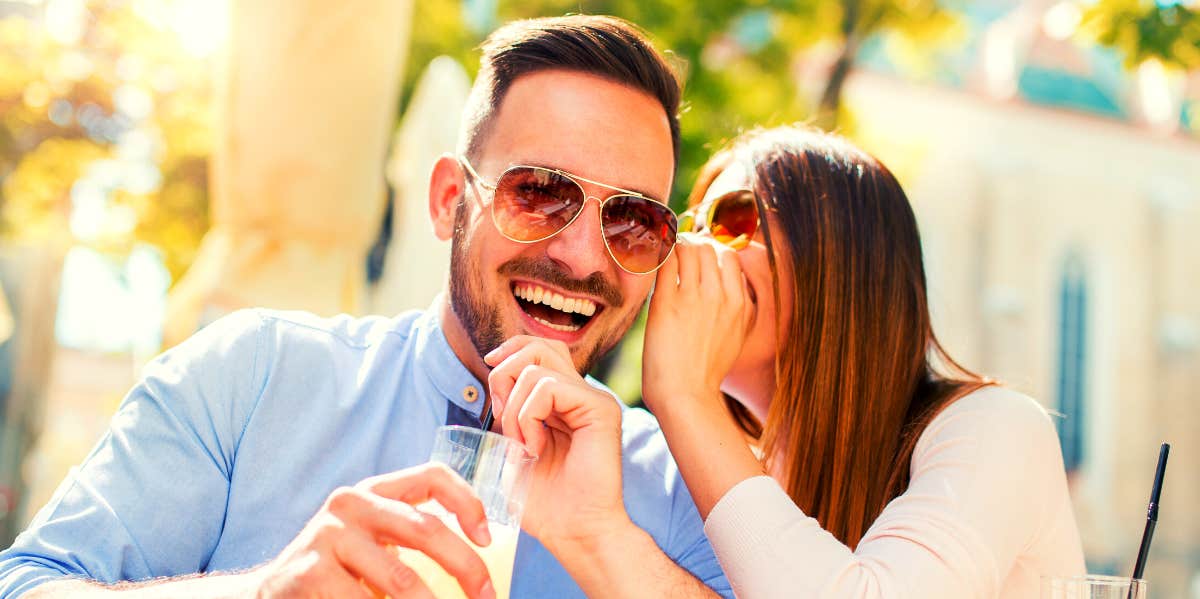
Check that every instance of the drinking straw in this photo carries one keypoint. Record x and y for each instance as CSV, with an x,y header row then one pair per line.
x,y
1139,567
469,470
487,419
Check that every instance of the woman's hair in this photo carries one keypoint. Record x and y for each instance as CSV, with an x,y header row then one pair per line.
x,y
859,373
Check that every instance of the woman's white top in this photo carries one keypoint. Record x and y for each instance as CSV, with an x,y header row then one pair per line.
x,y
986,514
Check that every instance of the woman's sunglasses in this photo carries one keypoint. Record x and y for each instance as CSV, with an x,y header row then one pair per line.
x,y
731,218
532,204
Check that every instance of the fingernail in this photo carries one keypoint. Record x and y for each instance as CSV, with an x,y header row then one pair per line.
x,y
487,592
483,534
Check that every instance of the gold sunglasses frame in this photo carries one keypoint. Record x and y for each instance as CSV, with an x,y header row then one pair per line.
x,y
710,209
492,187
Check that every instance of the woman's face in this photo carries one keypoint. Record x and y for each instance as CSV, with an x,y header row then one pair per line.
x,y
752,379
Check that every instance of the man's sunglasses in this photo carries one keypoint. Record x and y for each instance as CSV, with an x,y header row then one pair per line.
x,y
731,218
532,204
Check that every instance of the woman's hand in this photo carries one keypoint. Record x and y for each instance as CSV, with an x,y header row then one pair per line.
x,y
699,317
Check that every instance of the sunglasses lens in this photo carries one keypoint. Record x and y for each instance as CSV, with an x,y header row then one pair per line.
x,y
734,218
532,203
640,232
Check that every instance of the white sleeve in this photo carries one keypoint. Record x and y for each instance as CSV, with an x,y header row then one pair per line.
x,y
977,500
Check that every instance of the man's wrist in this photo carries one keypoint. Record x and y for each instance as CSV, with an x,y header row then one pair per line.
x,y
592,537
601,552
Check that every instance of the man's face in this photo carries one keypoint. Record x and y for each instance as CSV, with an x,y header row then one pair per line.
x,y
589,127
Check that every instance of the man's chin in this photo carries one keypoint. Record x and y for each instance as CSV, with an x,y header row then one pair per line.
x,y
584,349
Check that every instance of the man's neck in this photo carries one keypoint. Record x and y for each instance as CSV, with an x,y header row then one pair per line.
x,y
464,350
460,341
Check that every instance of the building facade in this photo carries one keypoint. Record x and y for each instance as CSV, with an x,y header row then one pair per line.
x,y
1063,253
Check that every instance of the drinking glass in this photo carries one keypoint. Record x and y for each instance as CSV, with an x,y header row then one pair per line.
x,y
500,471
1094,587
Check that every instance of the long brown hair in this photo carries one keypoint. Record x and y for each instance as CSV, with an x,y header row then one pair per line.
x,y
861,373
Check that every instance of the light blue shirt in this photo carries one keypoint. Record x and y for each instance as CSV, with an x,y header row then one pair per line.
x,y
234,439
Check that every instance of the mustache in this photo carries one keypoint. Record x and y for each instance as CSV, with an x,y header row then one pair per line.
x,y
595,284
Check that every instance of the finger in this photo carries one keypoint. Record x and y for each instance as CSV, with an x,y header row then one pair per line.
x,y
535,351
506,349
508,420
532,433
398,523
539,407
338,582
565,406
526,379
733,281
381,569
688,262
667,281
707,273
438,482
517,343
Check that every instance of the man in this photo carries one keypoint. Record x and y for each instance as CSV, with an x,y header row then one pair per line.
x,y
219,458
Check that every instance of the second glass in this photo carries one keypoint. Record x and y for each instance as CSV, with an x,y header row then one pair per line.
x,y
1094,587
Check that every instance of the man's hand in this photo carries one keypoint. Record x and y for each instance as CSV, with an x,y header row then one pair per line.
x,y
573,428
342,551
575,507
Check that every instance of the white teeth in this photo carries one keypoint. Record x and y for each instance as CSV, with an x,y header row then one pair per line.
x,y
566,328
538,295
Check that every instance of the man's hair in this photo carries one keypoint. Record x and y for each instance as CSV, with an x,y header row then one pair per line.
x,y
604,46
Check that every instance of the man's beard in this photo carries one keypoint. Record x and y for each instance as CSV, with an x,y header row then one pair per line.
x,y
482,320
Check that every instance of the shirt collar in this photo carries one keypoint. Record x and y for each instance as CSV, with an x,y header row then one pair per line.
x,y
444,370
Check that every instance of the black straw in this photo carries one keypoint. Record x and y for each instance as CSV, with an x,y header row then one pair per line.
x,y
469,471
487,419
1139,567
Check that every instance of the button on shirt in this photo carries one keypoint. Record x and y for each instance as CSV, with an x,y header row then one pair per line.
x,y
232,441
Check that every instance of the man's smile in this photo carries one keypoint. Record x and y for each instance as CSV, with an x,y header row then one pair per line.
x,y
556,310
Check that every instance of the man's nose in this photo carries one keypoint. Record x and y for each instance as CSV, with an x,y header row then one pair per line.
x,y
580,247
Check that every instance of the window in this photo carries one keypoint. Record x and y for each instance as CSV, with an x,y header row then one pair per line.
x,y
1071,388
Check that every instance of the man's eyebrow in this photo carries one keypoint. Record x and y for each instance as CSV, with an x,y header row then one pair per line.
x,y
552,167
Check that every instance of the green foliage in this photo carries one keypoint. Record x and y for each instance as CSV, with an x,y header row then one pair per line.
x,y
741,61
1142,30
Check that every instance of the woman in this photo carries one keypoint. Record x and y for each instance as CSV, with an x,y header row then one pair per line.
x,y
833,447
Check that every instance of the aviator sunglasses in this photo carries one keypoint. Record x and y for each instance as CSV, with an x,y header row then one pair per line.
x,y
532,204
731,218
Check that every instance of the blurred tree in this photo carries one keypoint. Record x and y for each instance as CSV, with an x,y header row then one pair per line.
x,y
918,22
105,127
1142,30
742,61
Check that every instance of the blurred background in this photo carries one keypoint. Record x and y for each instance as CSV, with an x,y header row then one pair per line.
x,y
163,162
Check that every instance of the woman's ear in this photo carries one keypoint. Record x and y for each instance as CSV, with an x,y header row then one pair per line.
x,y
447,183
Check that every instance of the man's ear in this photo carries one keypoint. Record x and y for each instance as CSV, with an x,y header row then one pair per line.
x,y
447,183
